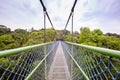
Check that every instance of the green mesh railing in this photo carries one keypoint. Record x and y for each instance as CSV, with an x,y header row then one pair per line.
x,y
84,62
92,63
27,62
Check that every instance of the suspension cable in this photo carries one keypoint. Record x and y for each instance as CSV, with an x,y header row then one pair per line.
x,y
44,8
68,20
45,11
50,20
74,5
72,11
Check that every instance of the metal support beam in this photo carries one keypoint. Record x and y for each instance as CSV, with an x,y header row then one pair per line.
x,y
72,45
72,27
44,42
44,26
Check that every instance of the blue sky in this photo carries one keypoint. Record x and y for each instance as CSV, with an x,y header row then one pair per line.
x,y
102,14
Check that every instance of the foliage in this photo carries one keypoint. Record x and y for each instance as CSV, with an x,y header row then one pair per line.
x,y
85,35
97,38
20,37
67,37
6,39
7,42
4,30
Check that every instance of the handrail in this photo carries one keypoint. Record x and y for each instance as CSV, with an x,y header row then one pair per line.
x,y
104,51
85,75
10,52
40,63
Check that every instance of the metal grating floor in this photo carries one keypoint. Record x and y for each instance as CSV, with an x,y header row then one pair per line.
x,y
59,68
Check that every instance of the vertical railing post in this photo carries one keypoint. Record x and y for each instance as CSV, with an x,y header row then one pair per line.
x,y
44,26
72,45
45,42
72,27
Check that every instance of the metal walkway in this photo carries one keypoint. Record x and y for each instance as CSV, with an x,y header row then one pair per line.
x,y
59,68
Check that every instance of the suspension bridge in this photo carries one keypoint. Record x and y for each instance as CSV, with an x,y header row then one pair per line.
x,y
59,60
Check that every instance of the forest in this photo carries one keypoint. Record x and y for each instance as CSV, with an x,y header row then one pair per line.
x,y
20,37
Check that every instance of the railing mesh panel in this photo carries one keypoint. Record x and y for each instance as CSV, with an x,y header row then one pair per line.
x,y
95,65
74,70
19,66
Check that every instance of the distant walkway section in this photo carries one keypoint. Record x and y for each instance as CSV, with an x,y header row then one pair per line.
x,y
59,68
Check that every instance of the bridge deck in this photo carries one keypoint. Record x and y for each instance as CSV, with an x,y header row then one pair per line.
x,y
59,68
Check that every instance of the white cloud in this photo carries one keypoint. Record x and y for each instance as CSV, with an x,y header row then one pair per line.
x,y
103,14
58,10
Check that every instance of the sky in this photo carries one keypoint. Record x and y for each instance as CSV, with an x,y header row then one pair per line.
x,y
95,14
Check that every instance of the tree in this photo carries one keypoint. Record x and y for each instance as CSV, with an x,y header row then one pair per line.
x,y
85,35
35,37
65,32
6,39
20,31
96,33
113,43
4,30
67,37
21,37
113,34
7,42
